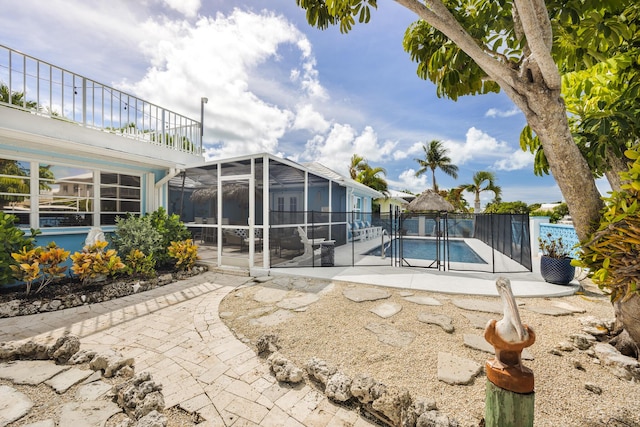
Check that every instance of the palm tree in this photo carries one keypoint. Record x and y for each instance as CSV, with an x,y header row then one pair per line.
x,y
15,98
454,196
356,165
369,177
435,157
478,186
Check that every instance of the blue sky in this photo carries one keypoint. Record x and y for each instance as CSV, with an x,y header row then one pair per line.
x,y
277,85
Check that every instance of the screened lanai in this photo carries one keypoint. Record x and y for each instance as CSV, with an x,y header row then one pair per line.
x,y
238,221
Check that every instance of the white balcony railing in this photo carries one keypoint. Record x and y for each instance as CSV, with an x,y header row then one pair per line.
x,y
41,88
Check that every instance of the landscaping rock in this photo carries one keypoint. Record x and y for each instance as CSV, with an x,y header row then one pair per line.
x,y
394,403
360,294
435,419
445,322
64,348
478,305
455,370
582,341
623,367
319,370
13,405
109,362
390,335
422,300
153,419
139,396
284,369
366,389
267,343
338,387
387,309
298,302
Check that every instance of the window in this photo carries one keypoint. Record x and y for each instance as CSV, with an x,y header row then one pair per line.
x,y
293,204
66,196
280,204
119,195
15,189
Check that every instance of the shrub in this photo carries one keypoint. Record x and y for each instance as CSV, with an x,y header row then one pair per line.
x,y
40,264
139,264
611,253
133,233
185,253
12,240
94,263
172,229
554,248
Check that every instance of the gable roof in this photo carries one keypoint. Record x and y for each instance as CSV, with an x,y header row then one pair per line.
x,y
324,171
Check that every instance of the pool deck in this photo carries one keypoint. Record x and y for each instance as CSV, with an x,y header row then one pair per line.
x,y
523,284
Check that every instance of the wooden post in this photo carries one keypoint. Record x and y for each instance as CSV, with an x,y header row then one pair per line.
x,y
504,408
509,396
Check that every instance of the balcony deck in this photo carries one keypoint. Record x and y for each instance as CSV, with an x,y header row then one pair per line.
x,y
89,116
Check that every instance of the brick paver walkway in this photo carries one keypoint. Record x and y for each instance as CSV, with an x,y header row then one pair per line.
x,y
174,332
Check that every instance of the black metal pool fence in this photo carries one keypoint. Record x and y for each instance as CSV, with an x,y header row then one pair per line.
x,y
316,239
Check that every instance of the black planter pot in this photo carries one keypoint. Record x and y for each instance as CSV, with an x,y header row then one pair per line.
x,y
557,270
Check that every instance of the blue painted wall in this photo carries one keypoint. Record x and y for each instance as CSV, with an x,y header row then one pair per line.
x,y
566,231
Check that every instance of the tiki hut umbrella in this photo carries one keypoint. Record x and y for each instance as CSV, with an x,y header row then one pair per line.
x,y
429,201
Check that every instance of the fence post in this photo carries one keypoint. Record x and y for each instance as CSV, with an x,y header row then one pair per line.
x,y
509,396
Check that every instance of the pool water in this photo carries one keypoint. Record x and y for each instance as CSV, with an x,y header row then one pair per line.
x,y
425,249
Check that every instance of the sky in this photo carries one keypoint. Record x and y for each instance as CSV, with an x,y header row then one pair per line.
x,y
275,84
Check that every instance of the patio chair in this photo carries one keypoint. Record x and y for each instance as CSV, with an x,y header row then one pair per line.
x,y
308,243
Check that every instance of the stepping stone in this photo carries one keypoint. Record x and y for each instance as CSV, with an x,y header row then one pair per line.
x,y
479,343
478,305
30,372
456,370
65,380
13,405
478,321
445,322
423,300
256,312
92,391
45,423
298,302
405,293
270,295
389,335
365,294
89,413
569,307
551,311
386,309
273,319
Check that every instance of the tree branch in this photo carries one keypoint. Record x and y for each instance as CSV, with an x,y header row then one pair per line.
x,y
537,28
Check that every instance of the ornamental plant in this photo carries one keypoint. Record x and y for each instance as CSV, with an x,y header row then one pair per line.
x,y
611,253
171,229
554,248
94,263
12,240
40,265
137,233
185,254
139,264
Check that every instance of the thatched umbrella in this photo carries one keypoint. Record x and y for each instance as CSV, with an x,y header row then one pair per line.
x,y
429,201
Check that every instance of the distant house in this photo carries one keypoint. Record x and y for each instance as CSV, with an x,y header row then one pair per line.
x,y
396,199
75,154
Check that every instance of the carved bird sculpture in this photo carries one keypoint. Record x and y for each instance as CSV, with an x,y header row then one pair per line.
x,y
509,337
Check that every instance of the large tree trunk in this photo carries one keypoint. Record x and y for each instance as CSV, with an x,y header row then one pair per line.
x,y
628,313
547,116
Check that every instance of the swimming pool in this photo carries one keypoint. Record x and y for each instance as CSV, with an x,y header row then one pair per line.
x,y
425,249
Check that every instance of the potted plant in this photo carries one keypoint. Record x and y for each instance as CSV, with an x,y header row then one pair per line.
x,y
555,263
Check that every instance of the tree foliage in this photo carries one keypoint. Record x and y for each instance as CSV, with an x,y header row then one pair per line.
x,y
482,181
435,157
361,171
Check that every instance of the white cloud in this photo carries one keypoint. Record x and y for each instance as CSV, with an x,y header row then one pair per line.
x,y
336,148
478,145
516,161
216,58
407,180
308,118
494,112
415,148
188,8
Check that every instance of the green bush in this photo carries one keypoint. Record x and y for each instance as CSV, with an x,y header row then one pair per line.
x,y
12,240
139,264
139,233
611,253
171,229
